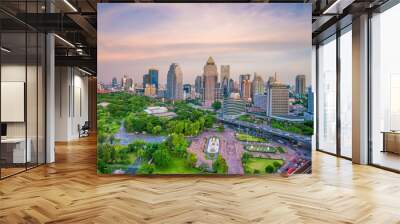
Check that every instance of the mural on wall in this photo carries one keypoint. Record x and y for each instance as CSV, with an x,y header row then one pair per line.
x,y
204,89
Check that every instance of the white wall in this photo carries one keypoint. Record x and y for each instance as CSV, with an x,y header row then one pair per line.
x,y
71,102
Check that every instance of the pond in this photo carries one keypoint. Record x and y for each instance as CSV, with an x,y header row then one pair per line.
x,y
127,138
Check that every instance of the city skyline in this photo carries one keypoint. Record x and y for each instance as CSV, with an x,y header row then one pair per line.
x,y
280,44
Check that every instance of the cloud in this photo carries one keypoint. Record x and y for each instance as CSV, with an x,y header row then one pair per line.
x,y
142,34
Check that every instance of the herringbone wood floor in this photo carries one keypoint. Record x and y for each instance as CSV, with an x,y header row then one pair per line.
x,y
70,191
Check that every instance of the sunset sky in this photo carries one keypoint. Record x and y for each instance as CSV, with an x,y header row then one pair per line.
x,y
250,37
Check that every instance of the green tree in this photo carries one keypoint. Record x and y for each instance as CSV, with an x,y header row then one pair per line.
x,y
216,105
191,160
157,130
245,157
219,165
161,157
269,169
276,164
209,121
149,127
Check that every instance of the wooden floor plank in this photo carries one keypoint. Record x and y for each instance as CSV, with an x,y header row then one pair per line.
x,y
70,191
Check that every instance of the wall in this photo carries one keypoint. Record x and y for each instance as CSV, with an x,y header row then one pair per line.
x,y
71,102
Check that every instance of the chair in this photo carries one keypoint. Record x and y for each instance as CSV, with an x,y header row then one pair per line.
x,y
84,130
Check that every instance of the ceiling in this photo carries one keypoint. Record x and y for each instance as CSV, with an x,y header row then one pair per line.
x,y
75,22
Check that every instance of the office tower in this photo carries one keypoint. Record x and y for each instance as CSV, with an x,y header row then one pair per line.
x,y
225,72
210,78
261,101
300,85
153,76
129,84
271,80
246,90
242,78
187,89
233,107
146,80
231,87
114,82
225,87
277,99
174,82
123,81
198,84
100,86
310,101
257,86
150,90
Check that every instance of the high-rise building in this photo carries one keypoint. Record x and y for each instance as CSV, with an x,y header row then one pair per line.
x,y
257,86
129,84
242,78
233,107
261,101
146,80
114,83
300,85
210,78
150,90
277,99
231,86
198,84
310,101
100,86
246,90
187,90
153,76
225,87
271,79
225,72
123,81
174,82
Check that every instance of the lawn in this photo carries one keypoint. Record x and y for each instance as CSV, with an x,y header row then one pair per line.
x,y
250,119
248,138
255,148
260,164
176,166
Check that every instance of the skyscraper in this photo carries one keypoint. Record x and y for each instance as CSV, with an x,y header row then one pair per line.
x,y
129,84
123,81
271,79
277,99
187,90
246,90
174,82
114,82
198,84
146,80
300,85
210,78
310,101
242,78
225,87
257,86
225,72
153,76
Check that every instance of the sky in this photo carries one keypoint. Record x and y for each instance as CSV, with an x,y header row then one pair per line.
x,y
250,37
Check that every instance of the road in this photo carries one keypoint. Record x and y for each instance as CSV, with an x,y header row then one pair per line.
x,y
305,140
